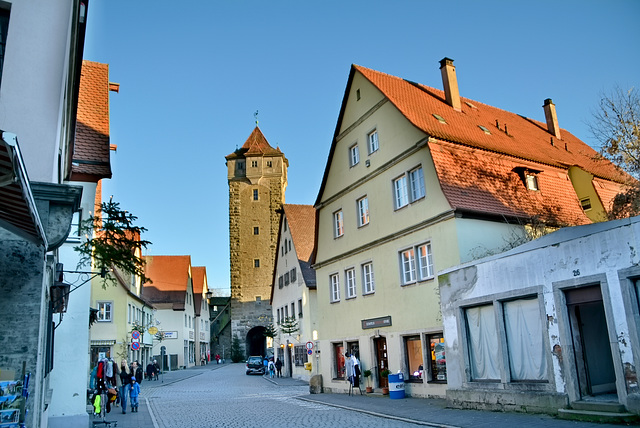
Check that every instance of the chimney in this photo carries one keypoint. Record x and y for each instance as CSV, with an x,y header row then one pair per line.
x,y
450,83
551,117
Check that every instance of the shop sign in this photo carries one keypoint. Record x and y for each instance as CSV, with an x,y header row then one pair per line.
x,y
376,322
170,334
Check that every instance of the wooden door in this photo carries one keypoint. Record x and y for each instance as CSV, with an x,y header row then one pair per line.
x,y
381,360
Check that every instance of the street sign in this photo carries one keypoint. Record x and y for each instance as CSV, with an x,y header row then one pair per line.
x,y
153,329
309,352
135,345
309,346
135,334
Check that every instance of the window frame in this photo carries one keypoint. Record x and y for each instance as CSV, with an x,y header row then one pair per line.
x,y
108,315
354,155
363,211
368,286
433,370
338,223
411,268
255,195
350,283
373,142
334,287
409,187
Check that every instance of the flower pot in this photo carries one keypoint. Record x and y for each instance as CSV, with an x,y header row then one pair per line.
x,y
369,389
385,391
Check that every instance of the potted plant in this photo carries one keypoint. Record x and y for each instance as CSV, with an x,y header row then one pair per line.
x,y
385,374
367,375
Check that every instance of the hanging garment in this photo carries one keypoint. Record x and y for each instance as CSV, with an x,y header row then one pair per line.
x,y
96,404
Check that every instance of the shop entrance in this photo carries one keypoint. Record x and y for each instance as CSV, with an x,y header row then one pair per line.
x,y
382,363
594,363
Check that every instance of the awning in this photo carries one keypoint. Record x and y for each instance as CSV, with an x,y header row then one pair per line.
x,y
18,212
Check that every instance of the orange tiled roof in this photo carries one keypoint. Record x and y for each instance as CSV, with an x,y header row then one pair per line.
x,y
91,161
302,223
170,276
497,189
525,138
256,145
198,277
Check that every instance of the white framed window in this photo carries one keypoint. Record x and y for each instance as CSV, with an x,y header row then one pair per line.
x,y
416,263
338,224
372,140
293,275
334,280
350,280
400,192
363,211
425,261
354,155
409,187
368,281
105,311
416,183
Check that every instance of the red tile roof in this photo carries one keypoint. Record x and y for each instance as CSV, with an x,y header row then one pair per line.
x,y
302,223
525,138
170,276
198,278
256,145
91,156
478,168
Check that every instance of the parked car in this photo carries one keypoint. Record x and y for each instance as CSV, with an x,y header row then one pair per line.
x,y
255,365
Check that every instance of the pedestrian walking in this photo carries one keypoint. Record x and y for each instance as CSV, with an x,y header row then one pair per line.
x,y
125,385
279,367
157,367
217,358
151,370
272,368
135,391
136,371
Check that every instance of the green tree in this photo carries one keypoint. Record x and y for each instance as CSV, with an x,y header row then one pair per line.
x,y
289,325
270,330
236,353
115,242
616,126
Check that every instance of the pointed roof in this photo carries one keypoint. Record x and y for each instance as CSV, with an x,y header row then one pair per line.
x,y
256,145
199,279
480,151
170,276
302,223
91,151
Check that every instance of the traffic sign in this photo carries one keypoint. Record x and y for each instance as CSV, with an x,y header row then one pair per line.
x,y
135,345
135,334
309,352
309,346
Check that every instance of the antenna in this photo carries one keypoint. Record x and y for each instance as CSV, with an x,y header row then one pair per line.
x,y
255,115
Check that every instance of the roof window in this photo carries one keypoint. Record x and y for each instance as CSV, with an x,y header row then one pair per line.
x,y
585,203
440,118
470,105
485,129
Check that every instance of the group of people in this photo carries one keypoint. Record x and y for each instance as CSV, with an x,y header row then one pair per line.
x,y
104,379
130,380
274,367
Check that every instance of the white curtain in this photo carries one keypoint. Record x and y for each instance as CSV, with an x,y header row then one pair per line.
x,y
524,340
483,343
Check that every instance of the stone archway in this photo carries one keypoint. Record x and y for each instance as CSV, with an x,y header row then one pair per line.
x,y
256,342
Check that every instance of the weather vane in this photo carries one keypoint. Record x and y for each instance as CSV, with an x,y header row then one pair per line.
x,y
255,115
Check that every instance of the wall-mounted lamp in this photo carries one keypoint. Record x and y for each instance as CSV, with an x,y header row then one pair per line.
x,y
282,346
290,345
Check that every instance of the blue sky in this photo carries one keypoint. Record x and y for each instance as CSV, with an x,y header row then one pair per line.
x,y
192,74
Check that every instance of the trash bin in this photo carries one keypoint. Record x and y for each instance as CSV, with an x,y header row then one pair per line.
x,y
396,386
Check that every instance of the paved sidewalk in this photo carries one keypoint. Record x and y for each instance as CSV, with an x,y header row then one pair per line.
x,y
144,418
432,411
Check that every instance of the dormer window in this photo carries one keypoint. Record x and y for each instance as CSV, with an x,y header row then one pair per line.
x,y
585,203
532,182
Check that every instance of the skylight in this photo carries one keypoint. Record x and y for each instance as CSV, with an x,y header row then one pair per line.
x,y
470,105
440,118
486,131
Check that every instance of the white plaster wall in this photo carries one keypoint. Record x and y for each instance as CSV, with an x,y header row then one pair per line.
x,y
33,82
72,350
569,254
171,320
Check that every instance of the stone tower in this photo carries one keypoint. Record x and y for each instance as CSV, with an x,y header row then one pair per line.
x,y
257,176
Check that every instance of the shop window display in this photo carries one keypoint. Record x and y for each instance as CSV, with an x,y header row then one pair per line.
x,y
438,358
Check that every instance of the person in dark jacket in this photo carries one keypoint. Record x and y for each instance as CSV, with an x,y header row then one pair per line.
x,y
279,367
151,370
136,371
125,384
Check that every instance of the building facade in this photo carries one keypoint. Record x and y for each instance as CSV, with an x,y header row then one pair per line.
x,y
418,180
39,79
257,177
548,325
171,294
293,294
202,316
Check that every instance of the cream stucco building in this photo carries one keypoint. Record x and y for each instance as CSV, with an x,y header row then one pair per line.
x,y
419,180
293,294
